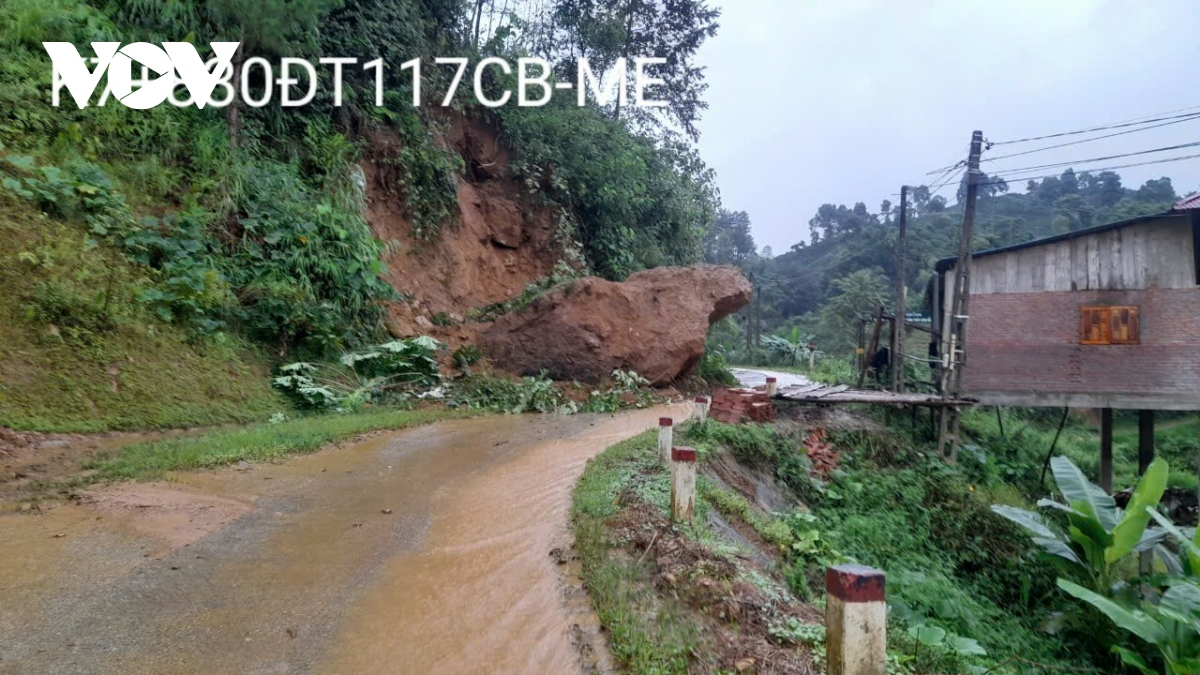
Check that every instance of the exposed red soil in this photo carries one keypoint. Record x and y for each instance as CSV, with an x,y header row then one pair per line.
x,y
500,241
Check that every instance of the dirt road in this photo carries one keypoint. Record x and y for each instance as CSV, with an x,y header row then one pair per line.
x,y
757,377
423,551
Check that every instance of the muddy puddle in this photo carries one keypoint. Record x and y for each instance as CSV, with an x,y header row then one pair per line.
x,y
422,551
31,461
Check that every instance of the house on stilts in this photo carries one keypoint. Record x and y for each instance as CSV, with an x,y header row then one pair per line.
x,y
1106,317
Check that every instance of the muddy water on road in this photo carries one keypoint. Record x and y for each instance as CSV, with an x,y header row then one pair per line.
x,y
424,551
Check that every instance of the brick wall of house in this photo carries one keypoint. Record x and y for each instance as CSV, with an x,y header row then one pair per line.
x,y
1029,342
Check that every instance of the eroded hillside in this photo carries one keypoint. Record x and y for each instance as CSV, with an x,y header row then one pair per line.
x,y
501,239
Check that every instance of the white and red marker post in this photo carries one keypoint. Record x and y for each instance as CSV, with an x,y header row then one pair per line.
x,y
683,483
772,386
666,434
855,621
701,409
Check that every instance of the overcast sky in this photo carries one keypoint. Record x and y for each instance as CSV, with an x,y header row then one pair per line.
x,y
815,101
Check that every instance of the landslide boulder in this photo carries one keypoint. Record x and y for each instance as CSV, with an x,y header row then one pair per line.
x,y
655,323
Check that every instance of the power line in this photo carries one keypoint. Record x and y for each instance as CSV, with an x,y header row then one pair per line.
x,y
942,177
1158,114
1105,168
956,179
1167,117
1097,138
1118,125
1054,165
951,167
1098,159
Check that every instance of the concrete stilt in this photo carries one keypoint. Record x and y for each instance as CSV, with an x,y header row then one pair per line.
x,y
855,621
701,409
772,386
683,483
666,434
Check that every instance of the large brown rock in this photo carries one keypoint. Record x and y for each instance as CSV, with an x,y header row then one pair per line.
x,y
655,323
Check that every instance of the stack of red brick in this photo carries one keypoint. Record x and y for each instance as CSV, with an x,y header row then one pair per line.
x,y
733,406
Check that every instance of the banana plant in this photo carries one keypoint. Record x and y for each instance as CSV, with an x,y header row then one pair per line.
x,y
1172,625
1187,562
1098,534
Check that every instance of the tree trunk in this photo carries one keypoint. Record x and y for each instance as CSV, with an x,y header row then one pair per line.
x,y
478,18
233,116
625,51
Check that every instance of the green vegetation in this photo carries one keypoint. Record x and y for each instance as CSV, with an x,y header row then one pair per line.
x,y
713,370
1161,608
952,565
966,590
662,641
504,393
227,239
1018,455
654,628
392,371
79,352
262,442
1100,535
1170,625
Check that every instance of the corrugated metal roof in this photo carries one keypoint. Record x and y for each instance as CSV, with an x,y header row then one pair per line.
x,y
1188,203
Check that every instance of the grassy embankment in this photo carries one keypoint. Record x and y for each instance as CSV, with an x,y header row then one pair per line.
x,y
79,354
688,597
618,586
952,564
258,443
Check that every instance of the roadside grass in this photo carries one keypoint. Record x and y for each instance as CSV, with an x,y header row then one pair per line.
x,y
261,442
648,633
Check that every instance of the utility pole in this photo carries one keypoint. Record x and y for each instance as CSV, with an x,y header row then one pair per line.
x,y
750,324
954,327
898,320
758,317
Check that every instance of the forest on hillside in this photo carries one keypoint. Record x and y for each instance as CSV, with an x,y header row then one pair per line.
x,y
846,267
248,218
233,238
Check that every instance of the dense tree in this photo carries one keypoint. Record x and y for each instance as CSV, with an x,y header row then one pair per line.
x,y
607,30
852,297
263,27
989,186
280,27
1102,189
729,241
832,221
277,220
1159,190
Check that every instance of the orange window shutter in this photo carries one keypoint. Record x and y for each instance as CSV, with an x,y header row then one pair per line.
x,y
1095,326
1125,329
